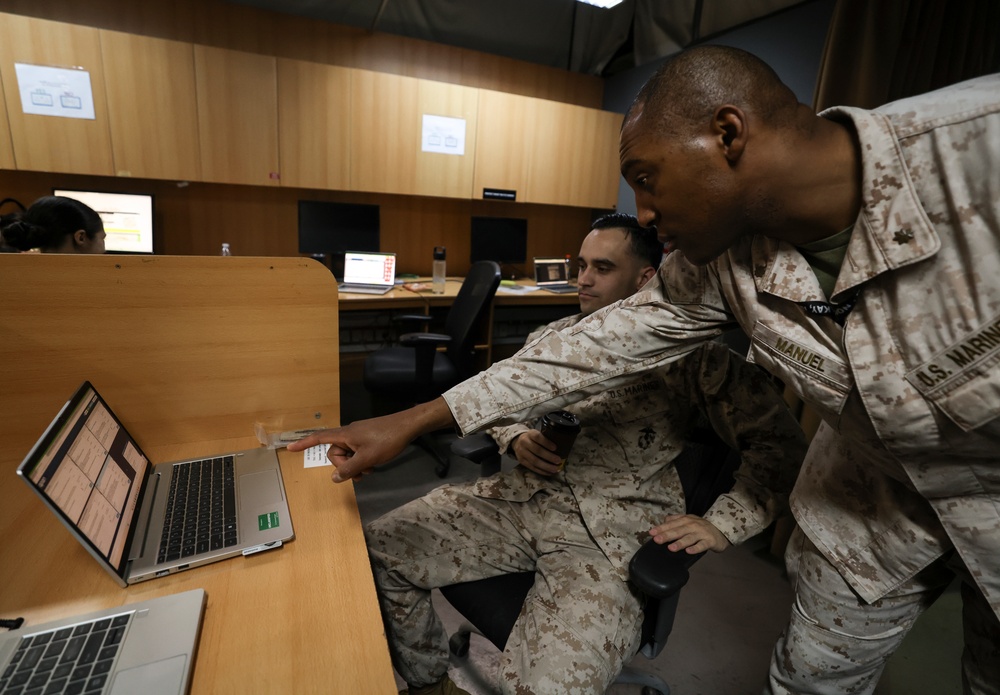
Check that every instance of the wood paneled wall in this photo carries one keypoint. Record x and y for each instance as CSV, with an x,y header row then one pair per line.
x,y
262,221
229,25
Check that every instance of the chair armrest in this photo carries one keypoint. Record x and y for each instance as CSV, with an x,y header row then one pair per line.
x,y
476,447
418,340
412,317
659,572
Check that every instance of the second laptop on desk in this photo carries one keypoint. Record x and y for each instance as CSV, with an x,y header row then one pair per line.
x,y
368,273
142,521
146,647
552,275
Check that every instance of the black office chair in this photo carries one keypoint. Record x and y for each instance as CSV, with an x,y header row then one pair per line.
x,y
416,371
706,468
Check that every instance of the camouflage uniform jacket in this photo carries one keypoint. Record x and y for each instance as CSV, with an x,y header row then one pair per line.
x,y
909,462
619,470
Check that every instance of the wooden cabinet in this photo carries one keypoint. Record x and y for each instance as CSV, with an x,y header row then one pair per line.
x,y
54,143
237,116
387,118
503,156
6,146
172,110
314,124
152,107
573,155
547,151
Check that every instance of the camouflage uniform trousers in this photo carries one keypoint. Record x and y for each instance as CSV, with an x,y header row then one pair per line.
x,y
580,623
836,643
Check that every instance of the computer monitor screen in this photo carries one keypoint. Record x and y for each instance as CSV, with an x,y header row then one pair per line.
x,y
334,228
500,239
127,217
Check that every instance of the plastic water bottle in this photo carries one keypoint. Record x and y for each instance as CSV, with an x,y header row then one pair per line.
x,y
225,249
437,286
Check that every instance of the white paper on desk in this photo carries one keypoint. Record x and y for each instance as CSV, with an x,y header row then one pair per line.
x,y
316,456
520,289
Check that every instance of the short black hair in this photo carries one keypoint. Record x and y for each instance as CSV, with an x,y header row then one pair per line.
x,y
686,90
642,240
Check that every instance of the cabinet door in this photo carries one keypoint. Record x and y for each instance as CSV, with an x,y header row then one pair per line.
x,y
6,146
314,124
387,122
574,156
502,153
55,143
237,116
152,108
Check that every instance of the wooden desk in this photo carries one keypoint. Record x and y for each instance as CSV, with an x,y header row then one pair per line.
x,y
401,298
191,351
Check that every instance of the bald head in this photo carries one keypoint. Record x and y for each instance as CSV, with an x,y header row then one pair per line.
x,y
718,149
686,91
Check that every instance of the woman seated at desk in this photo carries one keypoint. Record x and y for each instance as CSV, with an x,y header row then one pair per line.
x,y
54,224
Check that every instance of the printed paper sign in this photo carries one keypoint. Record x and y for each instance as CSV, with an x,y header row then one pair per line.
x,y
443,135
63,92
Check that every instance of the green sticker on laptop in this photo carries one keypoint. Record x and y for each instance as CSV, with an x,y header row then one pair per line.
x,y
266,521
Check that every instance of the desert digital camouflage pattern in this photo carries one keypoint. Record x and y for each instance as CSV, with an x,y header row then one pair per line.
x,y
630,432
909,466
581,621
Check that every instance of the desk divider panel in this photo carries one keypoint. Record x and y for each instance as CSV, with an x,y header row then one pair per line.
x,y
184,348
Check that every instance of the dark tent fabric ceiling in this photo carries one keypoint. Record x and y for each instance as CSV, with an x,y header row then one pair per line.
x,y
558,33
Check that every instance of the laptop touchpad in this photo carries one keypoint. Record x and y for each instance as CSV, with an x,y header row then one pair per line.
x,y
161,678
259,489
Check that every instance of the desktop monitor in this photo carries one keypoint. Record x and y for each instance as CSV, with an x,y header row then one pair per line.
x,y
335,228
500,239
127,218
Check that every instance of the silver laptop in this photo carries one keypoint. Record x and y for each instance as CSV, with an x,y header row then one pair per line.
x,y
146,647
141,520
552,275
368,273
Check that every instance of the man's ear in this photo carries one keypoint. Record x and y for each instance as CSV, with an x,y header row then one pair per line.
x,y
730,127
647,272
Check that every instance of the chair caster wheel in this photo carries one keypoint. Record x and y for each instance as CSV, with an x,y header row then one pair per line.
x,y
458,644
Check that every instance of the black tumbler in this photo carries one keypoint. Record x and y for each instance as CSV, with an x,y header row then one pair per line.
x,y
561,428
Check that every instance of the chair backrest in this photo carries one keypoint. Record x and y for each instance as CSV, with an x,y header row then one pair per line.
x,y
470,305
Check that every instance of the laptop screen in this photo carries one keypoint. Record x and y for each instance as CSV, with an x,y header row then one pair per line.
x,y
369,268
551,271
88,469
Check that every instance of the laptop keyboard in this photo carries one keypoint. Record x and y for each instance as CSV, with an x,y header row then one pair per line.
x,y
364,289
69,660
201,509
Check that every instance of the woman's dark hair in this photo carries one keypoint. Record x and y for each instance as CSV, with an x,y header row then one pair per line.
x,y
48,221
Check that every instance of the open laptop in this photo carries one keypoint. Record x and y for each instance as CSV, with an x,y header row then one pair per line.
x,y
552,275
141,520
368,273
146,647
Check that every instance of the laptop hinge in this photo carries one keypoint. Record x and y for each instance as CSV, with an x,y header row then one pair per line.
x,y
138,549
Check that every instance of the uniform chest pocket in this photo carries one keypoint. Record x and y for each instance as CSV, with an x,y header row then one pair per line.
x,y
963,380
639,401
820,376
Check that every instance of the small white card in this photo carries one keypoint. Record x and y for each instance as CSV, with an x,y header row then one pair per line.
x,y
316,456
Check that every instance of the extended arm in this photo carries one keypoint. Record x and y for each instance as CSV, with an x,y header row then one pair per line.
x,y
562,367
